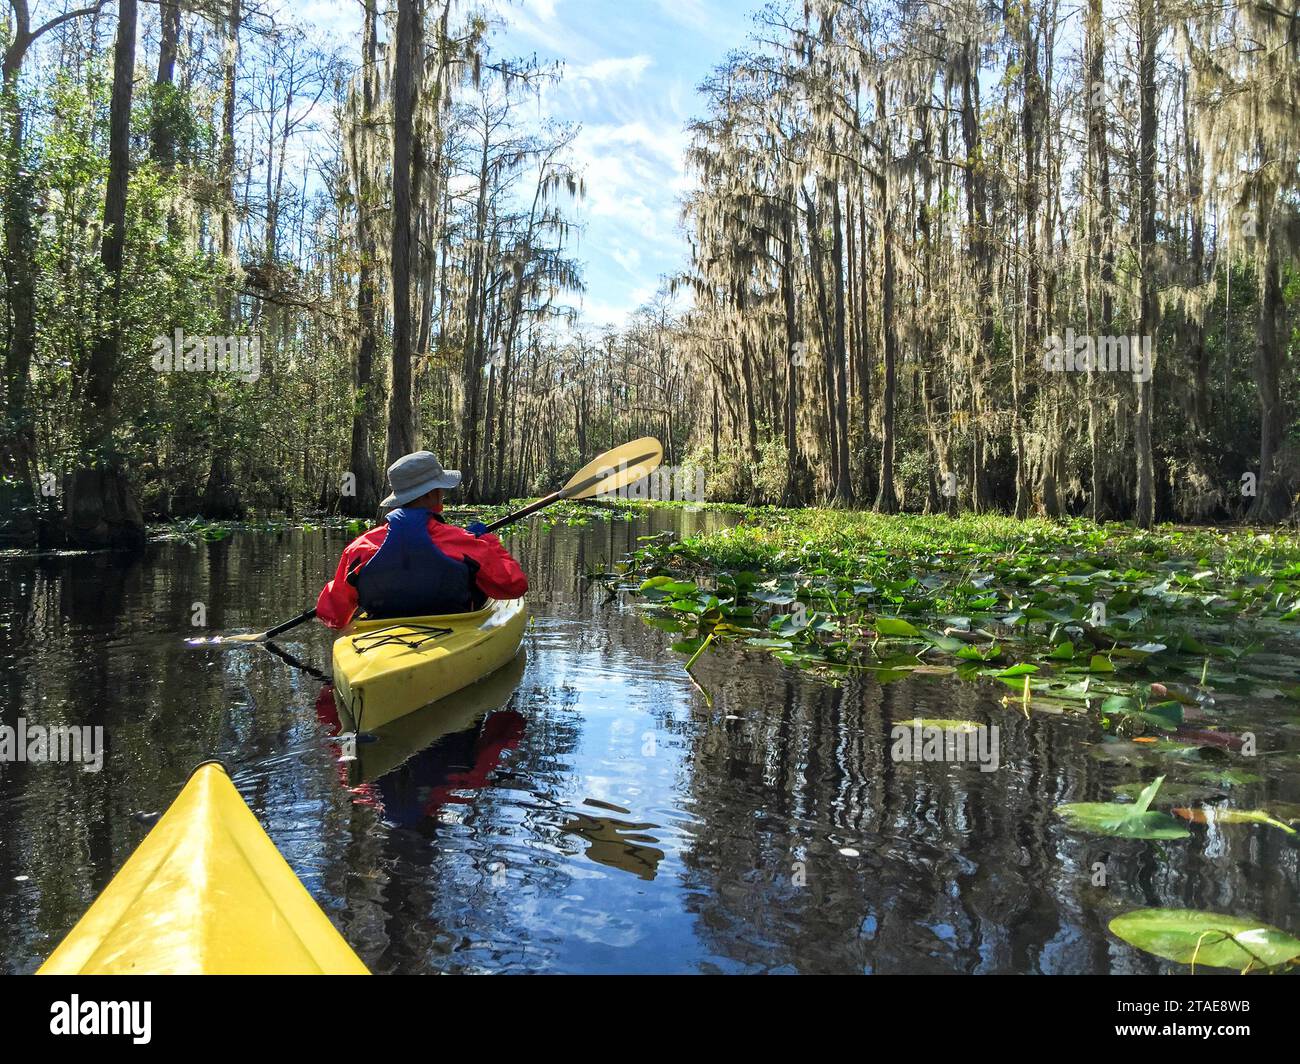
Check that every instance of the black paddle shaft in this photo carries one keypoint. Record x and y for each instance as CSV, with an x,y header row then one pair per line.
x,y
531,508
300,619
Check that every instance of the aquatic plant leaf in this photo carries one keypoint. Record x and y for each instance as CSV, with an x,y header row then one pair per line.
x,y
941,724
971,652
894,626
774,598
1215,940
1122,819
1231,777
1023,669
678,587
1167,716
1210,814
947,643
1171,793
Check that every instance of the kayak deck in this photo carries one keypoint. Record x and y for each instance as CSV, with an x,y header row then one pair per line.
x,y
205,893
385,669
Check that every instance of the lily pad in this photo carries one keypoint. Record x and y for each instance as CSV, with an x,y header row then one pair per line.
x,y
942,725
1231,777
1215,940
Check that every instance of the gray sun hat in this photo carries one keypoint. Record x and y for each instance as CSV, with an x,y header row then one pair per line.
x,y
413,475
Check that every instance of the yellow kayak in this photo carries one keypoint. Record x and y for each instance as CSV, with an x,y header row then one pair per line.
x,y
386,669
414,733
205,893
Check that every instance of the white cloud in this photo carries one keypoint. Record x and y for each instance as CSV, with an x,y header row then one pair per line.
x,y
664,142
698,15
625,69
537,22
630,260
600,312
543,9
630,173
630,71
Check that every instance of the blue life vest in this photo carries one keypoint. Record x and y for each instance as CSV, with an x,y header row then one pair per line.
x,y
410,577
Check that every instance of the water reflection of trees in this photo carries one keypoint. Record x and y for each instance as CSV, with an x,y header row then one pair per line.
x,y
957,870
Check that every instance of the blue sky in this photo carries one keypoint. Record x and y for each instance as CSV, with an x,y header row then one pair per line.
x,y
631,68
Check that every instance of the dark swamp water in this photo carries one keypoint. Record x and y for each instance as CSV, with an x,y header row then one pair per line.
x,y
586,810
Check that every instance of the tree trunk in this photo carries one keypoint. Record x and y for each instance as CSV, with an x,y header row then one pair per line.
x,y
981,257
1144,512
365,408
17,433
796,358
221,496
886,497
843,494
101,510
1272,501
229,63
1030,337
1103,245
401,427
162,141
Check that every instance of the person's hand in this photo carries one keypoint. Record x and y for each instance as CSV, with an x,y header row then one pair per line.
x,y
476,528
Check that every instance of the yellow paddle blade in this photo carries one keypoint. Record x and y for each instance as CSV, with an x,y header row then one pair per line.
x,y
615,469
205,893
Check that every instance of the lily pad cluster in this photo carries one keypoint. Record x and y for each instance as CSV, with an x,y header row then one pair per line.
x,y
1161,637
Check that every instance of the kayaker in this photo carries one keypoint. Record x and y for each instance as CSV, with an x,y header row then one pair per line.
x,y
416,564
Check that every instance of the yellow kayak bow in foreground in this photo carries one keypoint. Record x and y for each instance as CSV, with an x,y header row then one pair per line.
x,y
205,893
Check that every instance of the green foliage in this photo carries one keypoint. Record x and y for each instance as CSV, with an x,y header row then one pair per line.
x,y
1212,940
1133,820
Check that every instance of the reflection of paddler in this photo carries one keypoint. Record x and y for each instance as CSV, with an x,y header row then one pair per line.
x,y
421,785
327,710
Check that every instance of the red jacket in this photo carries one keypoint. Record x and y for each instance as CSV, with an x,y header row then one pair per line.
x,y
498,577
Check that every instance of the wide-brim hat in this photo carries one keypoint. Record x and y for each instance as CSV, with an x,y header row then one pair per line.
x,y
416,474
